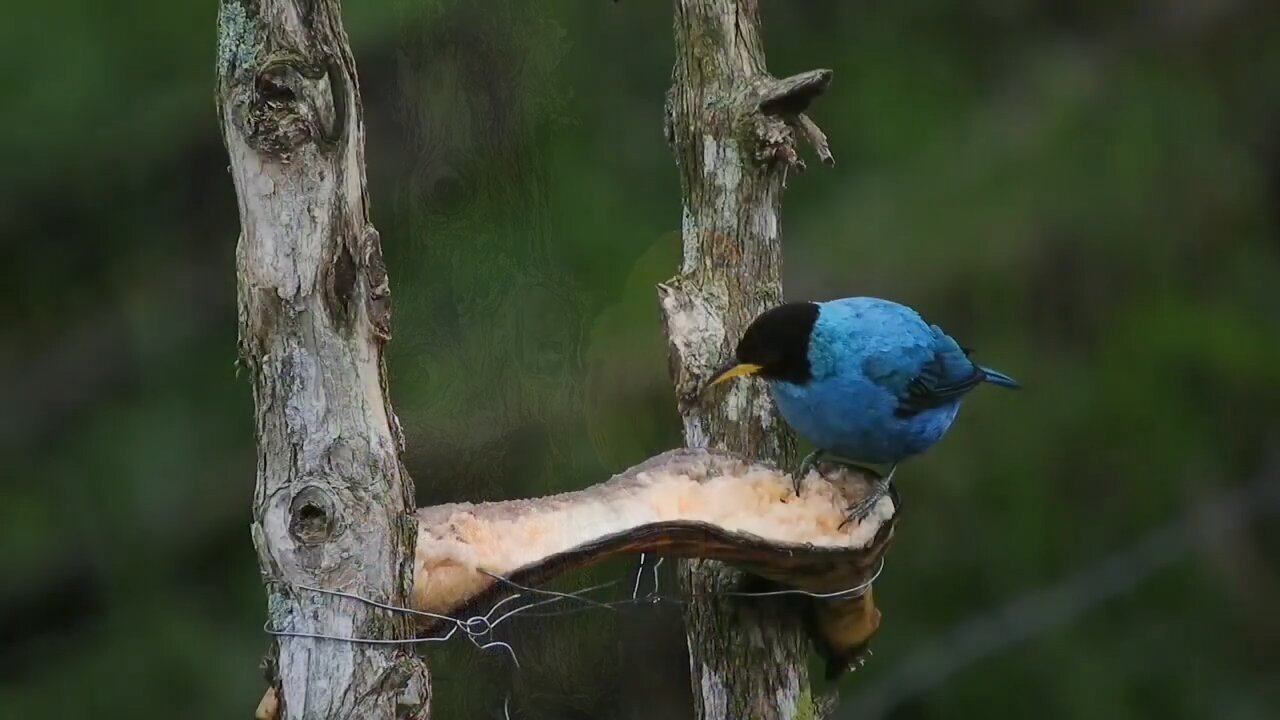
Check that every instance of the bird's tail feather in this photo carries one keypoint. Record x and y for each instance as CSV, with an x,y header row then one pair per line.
x,y
995,377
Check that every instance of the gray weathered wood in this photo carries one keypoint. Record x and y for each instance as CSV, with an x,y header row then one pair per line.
x,y
732,129
333,506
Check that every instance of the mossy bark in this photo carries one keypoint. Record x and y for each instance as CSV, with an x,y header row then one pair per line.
x,y
333,505
730,125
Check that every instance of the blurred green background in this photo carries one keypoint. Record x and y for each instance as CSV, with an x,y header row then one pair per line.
x,y
1086,191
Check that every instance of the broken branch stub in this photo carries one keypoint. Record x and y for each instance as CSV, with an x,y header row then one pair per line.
x,y
689,503
731,126
776,109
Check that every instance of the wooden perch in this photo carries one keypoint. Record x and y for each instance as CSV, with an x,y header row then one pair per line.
x,y
733,128
689,503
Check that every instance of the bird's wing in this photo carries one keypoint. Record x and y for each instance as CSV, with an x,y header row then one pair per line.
x,y
945,375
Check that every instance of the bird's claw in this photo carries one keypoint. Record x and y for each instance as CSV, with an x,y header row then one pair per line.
x,y
859,660
806,465
861,509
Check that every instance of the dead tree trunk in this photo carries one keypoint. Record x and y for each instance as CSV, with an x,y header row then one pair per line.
x,y
333,506
732,128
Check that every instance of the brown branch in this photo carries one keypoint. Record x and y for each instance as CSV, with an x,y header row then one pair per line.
x,y
792,95
687,503
813,134
732,128
332,504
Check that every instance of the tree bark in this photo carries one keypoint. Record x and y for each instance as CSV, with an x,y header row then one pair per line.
x,y
333,506
686,503
732,128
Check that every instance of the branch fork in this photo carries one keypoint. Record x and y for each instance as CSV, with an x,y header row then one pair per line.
x,y
733,129
778,110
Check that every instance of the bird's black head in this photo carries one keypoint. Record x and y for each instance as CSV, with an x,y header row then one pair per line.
x,y
775,345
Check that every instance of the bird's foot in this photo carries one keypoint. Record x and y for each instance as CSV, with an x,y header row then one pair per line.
x,y
807,464
859,510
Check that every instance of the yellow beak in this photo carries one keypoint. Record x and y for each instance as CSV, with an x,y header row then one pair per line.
x,y
731,370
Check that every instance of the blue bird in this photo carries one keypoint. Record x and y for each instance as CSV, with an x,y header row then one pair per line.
x,y
864,380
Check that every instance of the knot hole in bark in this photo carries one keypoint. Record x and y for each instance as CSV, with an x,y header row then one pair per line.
x,y
311,516
294,101
341,285
379,290
276,84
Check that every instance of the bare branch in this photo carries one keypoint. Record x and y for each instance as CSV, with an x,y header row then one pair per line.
x,y
815,137
332,504
792,95
732,127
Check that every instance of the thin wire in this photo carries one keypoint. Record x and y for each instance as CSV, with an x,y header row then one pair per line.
x,y
635,590
557,598
853,592
654,595
477,626
266,627
488,626
375,603
542,591
493,644
464,625
468,626
611,605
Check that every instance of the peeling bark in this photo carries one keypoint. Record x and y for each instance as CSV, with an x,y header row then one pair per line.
x,y
683,503
333,506
733,128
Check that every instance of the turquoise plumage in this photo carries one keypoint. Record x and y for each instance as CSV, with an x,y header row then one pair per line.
x,y
886,385
864,379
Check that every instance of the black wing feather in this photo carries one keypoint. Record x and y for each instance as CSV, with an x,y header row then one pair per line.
x,y
928,389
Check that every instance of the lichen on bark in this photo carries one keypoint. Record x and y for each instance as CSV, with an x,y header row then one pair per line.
x,y
333,506
730,125
237,40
